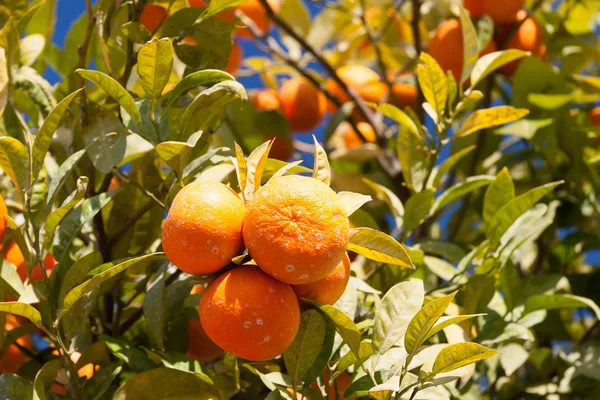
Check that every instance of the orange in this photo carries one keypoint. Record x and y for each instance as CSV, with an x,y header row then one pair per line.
x,y
3,220
329,289
529,37
296,229
266,99
363,80
200,347
256,12
446,47
337,390
14,256
303,104
404,95
351,139
594,116
114,184
499,11
280,150
153,16
11,359
235,58
227,15
250,314
203,229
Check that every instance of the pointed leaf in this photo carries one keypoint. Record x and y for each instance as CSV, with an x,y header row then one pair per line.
x,y
490,117
458,355
255,165
206,78
353,201
61,176
433,83
4,83
56,216
378,246
45,378
447,166
22,310
554,301
446,321
241,168
460,189
400,117
413,160
390,198
491,62
321,169
499,192
470,44
14,160
416,209
155,60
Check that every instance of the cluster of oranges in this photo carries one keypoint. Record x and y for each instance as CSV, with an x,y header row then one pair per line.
x,y
296,232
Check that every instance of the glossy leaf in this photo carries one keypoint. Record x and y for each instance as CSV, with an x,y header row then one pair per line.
x,y
499,192
470,44
321,169
460,189
45,377
403,120
14,161
206,78
255,165
413,161
378,246
433,83
353,201
56,216
490,117
555,301
447,166
491,62
458,355
61,176
155,60
22,310
417,208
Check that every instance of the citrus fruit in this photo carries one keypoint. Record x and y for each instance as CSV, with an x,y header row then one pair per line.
x,y
499,11
12,358
256,12
338,388
266,99
14,256
404,95
227,15
203,229
280,150
250,314
235,58
152,16
329,289
296,229
594,116
303,104
200,346
3,220
351,139
363,80
528,37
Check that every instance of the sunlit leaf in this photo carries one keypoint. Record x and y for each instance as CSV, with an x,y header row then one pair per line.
x,y
255,165
378,246
447,165
491,62
14,160
458,355
155,60
470,44
321,169
353,201
56,216
416,209
498,193
490,117
433,83
554,301
22,310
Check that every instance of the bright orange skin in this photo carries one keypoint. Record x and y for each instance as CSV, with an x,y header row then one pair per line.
x,y
250,314
340,385
352,140
114,184
266,99
12,358
200,346
3,220
256,12
446,47
363,80
329,289
280,150
500,11
14,255
296,229
152,16
227,15
404,95
529,37
235,58
203,230
594,116
303,104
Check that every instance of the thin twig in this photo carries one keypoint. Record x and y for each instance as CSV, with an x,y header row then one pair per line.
x,y
416,19
82,54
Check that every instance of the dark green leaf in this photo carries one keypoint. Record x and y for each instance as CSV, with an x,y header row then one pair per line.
x,y
306,346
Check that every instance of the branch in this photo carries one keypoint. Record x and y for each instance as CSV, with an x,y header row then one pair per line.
x,y
416,19
82,53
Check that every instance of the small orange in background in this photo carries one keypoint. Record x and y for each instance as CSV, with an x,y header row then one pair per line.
x,y
337,390
329,289
256,12
351,138
153,16
14,255
404,95
250,314
280,150
227,15
304,105
203,230
200,346
114,184
266,99
296,229
235,58
594,116
366,82
12,358
500,11
3,220
529,37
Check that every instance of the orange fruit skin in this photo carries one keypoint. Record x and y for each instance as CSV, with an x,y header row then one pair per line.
x,y
352,140
14,255
266,99
250,314
340,385
152,16
227,15
280,150
3,220
329,289
303,104
235,58
12,358
256,12
200,346
296,229
499,11
203,229
404,95
529,37
594,116
363,80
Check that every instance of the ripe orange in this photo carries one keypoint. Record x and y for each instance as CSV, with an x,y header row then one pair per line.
x,y
153,16
203,229
227,15
446,47
256,12
594,116
3,220
11,359
303,104
337,390
200,346
266,99
363,80
351,139
529,37
329,289
235,58
250,314
280,150
500,11
404,95
296,229
14,255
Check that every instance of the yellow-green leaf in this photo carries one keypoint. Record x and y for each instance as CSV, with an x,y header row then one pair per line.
x,y
321,169
433,83
390,198
554,301
491,62
4,85
470,44
378,246
458,355
352,201
240,168
447,166
403,120
499,193
460,189
22,310
14,160
255,165
155,61
490,117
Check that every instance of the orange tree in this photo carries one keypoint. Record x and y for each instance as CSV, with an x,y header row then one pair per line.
x,y
162,236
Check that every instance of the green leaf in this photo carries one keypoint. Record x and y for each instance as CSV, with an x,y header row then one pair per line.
x,y
349,359
45,378
524,128
155,60
184,363
512,357
154,309
14,387
255,164
342,324
448,250
458,355
478,293
44,135
56,216
550,102
96,387
4,82
353,201
321,169
22,310
77,273
423,321
447,165
14,160
490,117
316,369
10,281
413,160
206,78
106,143
397,308
469,102
61,176
135,32
178,155
433,83
555,301
115,90
306,346
509,213
416,209
403,120
441,268
459,190
16,8
378,246
78,292
218,6
491,62
390,198
446,321
136,358
470,44
499,192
